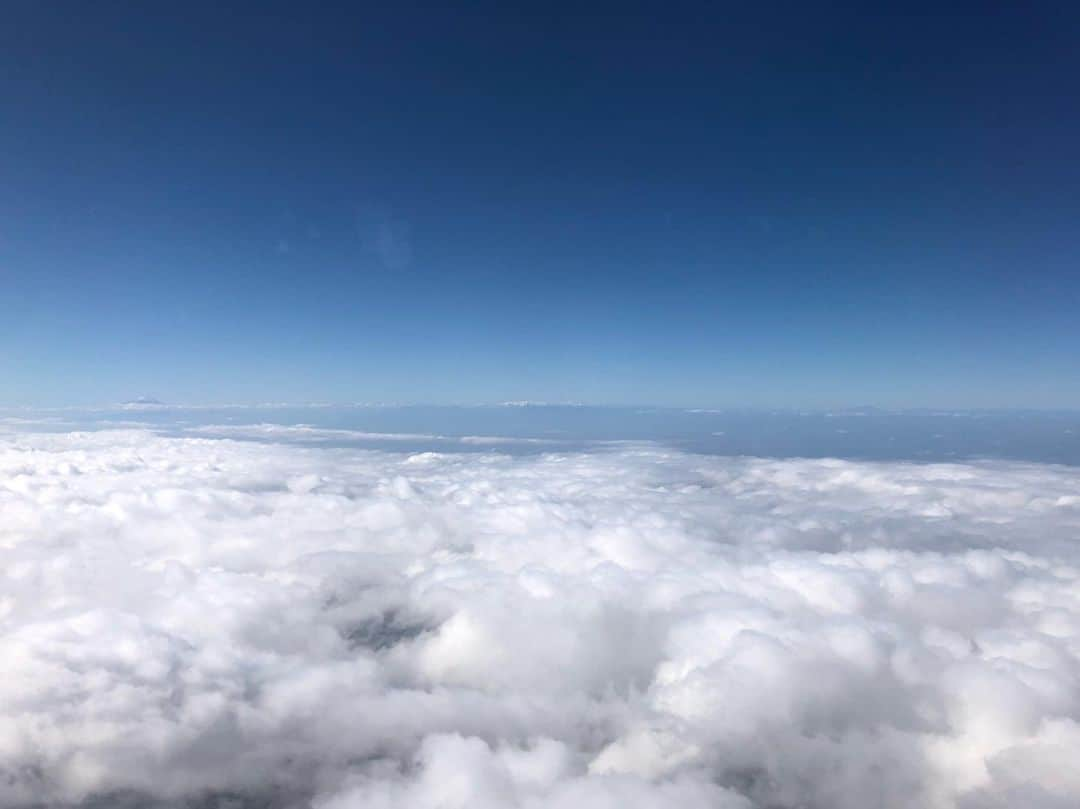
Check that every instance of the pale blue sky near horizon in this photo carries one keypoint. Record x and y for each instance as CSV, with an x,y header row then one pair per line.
x,y
696,206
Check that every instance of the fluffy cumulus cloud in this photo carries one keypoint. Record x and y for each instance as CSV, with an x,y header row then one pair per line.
x,y
198,622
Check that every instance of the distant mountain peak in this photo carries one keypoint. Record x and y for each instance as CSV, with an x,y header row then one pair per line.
x,y
143,401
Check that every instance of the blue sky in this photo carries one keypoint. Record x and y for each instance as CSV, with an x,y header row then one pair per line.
x,y
687,204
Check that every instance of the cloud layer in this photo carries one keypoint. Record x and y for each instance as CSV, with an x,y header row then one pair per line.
x,y
188,621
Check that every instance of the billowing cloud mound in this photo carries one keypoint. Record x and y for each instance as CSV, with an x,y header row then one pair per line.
x,y
212,623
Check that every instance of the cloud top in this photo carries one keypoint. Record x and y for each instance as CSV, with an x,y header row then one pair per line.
x,y
254,624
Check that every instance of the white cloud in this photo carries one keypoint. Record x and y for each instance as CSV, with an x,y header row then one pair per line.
x,y
306,433
311,626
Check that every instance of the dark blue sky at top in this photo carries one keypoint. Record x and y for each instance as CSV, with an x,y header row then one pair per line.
x,y
690,204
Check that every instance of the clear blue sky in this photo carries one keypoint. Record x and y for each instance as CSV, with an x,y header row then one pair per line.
x,y
689,204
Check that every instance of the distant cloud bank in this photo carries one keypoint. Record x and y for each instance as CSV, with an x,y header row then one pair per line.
x,y
264,625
